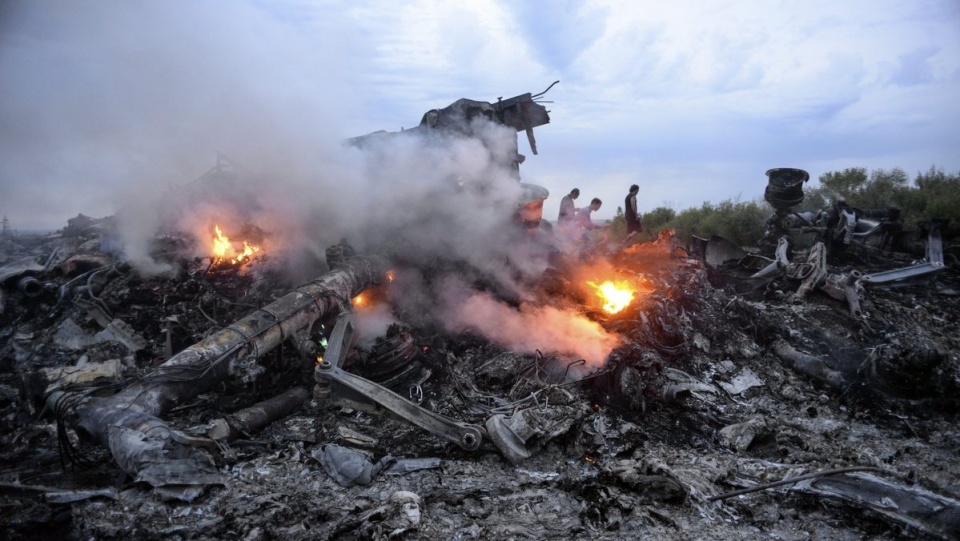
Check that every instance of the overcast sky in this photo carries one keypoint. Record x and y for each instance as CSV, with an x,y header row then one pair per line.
x,y
693,100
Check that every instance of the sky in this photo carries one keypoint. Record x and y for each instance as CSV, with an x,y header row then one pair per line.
x,y
107,102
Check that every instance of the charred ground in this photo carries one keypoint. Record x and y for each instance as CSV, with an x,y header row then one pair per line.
x,y
694,403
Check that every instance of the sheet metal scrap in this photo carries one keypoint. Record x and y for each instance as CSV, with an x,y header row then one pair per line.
x,y
522,113
932,265
928,512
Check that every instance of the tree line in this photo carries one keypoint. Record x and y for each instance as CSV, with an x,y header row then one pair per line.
x,y
931,195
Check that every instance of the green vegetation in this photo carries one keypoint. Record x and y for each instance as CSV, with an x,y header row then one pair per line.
x,y
934,194
740,221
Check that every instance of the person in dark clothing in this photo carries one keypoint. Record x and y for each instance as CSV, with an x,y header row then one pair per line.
x,y
630,211
567,210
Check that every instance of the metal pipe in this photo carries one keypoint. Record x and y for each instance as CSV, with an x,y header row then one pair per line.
x,y
30,286
809,365
259,415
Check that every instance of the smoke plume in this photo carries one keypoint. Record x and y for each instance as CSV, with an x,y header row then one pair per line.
x,y
115,107
530,328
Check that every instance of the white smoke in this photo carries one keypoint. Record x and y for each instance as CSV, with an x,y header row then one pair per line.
x,y
119,105
528,328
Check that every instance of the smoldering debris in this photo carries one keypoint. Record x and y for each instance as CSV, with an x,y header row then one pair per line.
x,y
450,373
599,452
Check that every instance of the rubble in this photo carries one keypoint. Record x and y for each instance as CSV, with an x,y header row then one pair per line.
x,y
223,400
649,453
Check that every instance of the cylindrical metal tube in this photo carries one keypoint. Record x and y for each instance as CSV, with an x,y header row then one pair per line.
x,y
809,365
259,415
30,286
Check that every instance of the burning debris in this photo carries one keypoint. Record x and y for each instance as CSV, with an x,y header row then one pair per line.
x,y
226,251
523,386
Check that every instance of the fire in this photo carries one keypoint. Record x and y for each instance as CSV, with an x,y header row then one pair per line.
x,y
220,245
224,250
391,275
358,300
247,252
615,295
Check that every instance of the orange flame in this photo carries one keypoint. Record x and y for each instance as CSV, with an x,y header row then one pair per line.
x,y
223,249
247,252
220,245
615,295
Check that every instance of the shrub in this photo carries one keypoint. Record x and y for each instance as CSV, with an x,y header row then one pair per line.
x,y
741,222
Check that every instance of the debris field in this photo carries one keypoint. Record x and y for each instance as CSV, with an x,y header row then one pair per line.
x,y
716,383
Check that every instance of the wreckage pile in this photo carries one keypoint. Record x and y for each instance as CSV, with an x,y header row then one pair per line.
x,y
227,403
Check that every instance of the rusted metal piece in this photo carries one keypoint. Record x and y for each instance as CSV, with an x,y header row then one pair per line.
x,y
233,351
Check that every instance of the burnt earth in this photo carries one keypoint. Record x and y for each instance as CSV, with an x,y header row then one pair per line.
x,y
693,404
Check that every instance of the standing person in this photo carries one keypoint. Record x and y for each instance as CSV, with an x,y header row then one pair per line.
x,y
567,211
630,211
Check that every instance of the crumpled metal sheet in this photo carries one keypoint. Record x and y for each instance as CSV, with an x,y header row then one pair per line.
x,y
19,268
161,463
348,467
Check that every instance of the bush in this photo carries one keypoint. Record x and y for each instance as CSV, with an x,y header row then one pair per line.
x,y
882,189
657,218
741,222
934,194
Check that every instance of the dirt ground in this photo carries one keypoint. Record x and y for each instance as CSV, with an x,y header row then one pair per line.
x,y
695,403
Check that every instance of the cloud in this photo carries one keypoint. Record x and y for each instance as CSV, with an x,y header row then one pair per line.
x,y
694,101
107,99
